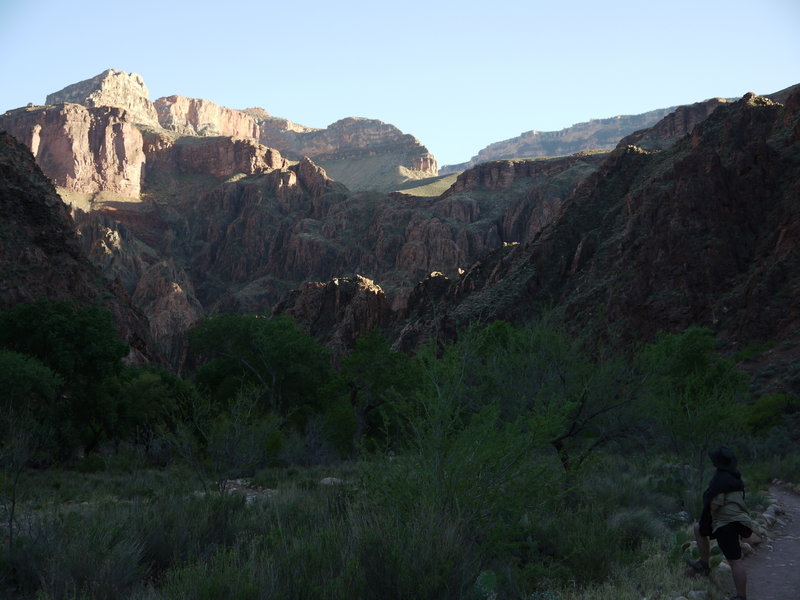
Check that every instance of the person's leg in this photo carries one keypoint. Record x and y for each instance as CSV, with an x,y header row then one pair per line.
x,y
702,566
739,577
703,544
728,541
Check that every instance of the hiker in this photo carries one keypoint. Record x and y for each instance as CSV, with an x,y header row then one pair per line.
x,y
724,518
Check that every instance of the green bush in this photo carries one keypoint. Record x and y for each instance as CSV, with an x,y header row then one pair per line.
x,y
770,411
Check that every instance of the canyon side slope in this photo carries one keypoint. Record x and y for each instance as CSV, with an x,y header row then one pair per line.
x,y
699,231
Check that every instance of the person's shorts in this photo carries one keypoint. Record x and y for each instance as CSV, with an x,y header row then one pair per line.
x,y
727,538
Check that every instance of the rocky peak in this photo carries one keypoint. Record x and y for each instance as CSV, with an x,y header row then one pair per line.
x,y
354,135
673,126
361,153
111,88
220,156
338,312
502,174
660,240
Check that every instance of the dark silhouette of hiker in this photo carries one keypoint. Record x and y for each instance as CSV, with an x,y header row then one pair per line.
x,y
724,518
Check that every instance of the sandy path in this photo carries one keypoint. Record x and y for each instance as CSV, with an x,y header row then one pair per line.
x,y
773,572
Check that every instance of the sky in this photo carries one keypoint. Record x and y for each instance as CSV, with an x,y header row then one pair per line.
x,y
456,75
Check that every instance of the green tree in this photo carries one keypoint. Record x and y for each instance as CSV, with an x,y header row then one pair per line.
x,y
151,402
371,378
536,374
693,393
81,345
28,392
287,364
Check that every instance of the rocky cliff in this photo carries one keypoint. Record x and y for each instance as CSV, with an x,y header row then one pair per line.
x,y
219,156
96,136
111,88
193,116
354,137
228,223
338,312
82,149
360,153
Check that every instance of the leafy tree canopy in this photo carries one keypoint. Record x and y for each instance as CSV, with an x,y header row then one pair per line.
x,y
25,382
272,353
80,344
77,342
691,390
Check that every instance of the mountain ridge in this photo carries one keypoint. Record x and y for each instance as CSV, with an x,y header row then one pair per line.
x,y
350,137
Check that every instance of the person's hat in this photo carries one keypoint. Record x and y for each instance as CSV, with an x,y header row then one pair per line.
x,y
723,458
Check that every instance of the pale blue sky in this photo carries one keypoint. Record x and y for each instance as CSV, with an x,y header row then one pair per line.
x,y
457,75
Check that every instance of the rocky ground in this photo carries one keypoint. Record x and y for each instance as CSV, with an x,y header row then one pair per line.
x,y
774,570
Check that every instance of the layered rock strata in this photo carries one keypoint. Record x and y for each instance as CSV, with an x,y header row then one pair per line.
x,y
193,116
111,88
82,149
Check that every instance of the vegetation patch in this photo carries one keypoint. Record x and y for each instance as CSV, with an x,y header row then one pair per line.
x,y
540,469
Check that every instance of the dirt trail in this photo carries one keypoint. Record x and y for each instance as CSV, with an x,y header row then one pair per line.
x,y
773,572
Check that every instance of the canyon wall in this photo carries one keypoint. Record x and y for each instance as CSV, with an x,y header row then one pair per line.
x,y
82,149
596,134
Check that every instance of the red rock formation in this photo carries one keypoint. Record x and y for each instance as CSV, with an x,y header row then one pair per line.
x,y
502,174
166,295
218,156
86,150
674,126
111,88
194,116
351,140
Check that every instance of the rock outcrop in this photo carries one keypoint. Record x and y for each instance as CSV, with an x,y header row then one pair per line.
x,y
219,156
82,149
193,116
361,153
111,88
226,222
674,126
338,312
156,286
